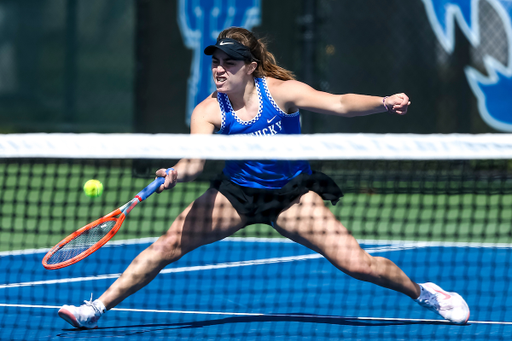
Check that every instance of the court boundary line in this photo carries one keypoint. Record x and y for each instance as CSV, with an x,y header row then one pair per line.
x,y
117,243
396,319
264,261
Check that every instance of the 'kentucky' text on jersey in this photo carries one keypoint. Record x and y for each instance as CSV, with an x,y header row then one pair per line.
x,y
270,120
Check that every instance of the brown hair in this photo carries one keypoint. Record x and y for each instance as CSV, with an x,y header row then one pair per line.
x,y
267,65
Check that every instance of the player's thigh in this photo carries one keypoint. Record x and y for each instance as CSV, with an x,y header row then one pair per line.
x,y
209,218
309,222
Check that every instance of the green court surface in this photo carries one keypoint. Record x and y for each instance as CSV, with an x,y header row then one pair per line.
x,y
43,202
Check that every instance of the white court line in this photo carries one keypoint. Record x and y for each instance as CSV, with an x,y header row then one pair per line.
x,y
396,319
199,267
148,240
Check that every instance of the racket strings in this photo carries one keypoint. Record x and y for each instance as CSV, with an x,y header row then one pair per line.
x,y
82,242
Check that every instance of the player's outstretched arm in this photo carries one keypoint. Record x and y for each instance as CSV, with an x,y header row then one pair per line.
x,y
297,95
205,119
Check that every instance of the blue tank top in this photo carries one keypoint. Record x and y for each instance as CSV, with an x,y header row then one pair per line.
x,y
270,120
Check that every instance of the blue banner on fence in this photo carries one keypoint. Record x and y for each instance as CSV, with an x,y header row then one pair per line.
x,y
200,22
493,90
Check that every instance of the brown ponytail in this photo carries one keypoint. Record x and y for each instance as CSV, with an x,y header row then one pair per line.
x,y
267,66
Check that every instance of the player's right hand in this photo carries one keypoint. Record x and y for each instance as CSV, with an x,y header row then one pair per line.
x,y
171,179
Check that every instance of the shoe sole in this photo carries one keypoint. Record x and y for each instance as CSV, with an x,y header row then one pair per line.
x,y
68,317
469,312
467,319
437,288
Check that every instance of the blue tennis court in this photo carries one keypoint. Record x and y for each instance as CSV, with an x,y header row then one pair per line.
x,y
259,289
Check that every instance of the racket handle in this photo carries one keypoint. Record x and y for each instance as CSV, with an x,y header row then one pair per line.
x,y
152,187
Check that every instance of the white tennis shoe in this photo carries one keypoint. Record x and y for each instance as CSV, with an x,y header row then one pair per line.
x,y
86,316
449,305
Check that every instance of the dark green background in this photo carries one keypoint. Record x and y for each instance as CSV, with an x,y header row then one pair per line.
x,y
121,66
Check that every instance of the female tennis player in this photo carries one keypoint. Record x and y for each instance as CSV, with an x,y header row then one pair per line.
x,y
255,96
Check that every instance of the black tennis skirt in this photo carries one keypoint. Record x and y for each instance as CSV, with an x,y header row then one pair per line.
x,y
264,205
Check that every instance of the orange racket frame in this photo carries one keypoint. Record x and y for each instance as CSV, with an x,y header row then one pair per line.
x,y
118,216
109,217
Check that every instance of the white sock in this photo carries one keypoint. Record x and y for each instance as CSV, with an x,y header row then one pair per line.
x,y
421,293
100,306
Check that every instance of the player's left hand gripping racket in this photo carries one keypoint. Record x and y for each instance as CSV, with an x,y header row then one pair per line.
x,y
91,237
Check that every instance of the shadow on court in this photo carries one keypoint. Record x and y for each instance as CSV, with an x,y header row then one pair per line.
x,y
140,329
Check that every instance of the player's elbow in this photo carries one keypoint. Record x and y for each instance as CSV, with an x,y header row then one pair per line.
x,y
343,108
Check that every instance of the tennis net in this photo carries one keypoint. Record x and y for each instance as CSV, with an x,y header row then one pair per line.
x,y
439,206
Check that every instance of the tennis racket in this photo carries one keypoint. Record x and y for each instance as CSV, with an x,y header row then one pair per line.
x,y
85,241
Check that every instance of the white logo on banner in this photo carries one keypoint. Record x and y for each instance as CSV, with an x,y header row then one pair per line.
x,y
493,91
200,22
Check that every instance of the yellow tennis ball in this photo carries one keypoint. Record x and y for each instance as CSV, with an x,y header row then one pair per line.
x,y
93,188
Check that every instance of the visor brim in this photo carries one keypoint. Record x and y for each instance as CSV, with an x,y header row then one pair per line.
x,y
233,54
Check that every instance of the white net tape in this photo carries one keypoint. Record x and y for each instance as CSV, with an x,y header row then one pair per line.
x,y
290,147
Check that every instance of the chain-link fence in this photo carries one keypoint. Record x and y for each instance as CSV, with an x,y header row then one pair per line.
x,y
66,65
122,65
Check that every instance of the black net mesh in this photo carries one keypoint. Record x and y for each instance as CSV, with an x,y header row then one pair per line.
x,y
442,221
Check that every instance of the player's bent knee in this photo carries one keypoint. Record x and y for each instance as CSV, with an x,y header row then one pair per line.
x,y
168,248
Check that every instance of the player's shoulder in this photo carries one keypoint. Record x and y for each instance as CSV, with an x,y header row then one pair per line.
x,y
284,85
208,110
285,88
208,104
274,82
